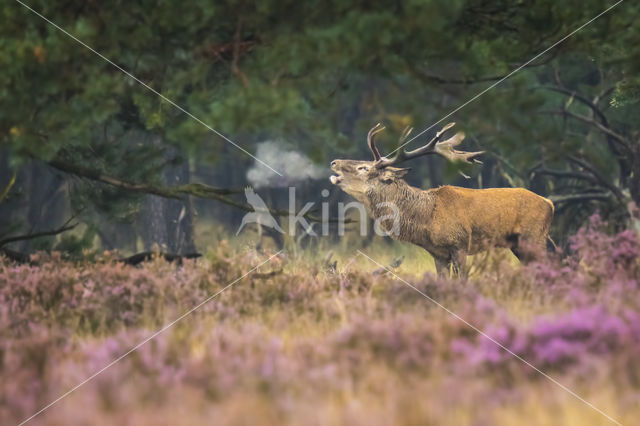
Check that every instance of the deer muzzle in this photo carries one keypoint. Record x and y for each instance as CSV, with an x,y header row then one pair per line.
x,y
337,178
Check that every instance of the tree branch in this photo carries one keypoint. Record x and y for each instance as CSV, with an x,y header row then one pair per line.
x,y
430,78
613,139
598,177
593,176
6,190
574,198
60,230
198,190
177,192
626,143
426,77
581,99
605,92
563,174
236,54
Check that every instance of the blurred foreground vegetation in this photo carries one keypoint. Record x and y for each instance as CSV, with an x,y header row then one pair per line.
x,y
300,342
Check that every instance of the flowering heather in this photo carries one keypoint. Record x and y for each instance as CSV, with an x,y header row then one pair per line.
x,y
305,346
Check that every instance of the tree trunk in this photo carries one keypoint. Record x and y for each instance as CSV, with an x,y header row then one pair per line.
x,y
154,226
634,187
167,224
46,205
180,214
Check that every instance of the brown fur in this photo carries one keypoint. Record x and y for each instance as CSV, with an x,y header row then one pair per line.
x,y
449,222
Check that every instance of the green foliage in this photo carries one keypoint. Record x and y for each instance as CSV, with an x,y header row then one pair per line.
x,y
292,56
317,74
77,246
627,92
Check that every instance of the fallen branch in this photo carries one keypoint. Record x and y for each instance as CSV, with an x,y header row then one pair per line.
x,y
146,256
15,256
264,276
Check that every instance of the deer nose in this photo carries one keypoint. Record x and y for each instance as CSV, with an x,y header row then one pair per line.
x,y
333,163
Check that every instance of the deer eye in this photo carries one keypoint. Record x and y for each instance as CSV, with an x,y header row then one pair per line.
x,y
362,168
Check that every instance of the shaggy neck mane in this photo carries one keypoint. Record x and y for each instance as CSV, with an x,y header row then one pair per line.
x,y
412,202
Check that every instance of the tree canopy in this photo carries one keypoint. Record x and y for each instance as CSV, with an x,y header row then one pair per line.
x,y
318,75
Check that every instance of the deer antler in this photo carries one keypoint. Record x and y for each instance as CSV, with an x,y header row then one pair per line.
x,y
434,146
372,145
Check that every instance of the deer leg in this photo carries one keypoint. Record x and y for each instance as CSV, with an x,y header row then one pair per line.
x,y
517,253
458,262
524,249
512,241
442,266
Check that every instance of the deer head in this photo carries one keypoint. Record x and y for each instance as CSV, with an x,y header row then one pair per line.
x,y
357,178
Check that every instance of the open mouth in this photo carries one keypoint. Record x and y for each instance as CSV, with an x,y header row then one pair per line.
x,y
336,179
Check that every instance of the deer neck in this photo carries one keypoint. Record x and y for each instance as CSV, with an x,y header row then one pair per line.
x,y
410,201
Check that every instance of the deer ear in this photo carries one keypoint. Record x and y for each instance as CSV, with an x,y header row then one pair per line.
x,y
401,172
392,173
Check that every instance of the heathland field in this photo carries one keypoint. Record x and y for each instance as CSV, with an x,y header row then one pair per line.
x,y
299,342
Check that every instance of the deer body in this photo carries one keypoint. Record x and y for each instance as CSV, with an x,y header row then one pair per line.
x,y
452,222
449,222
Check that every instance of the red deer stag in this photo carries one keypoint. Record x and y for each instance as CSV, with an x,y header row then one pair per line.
x,y
449,222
